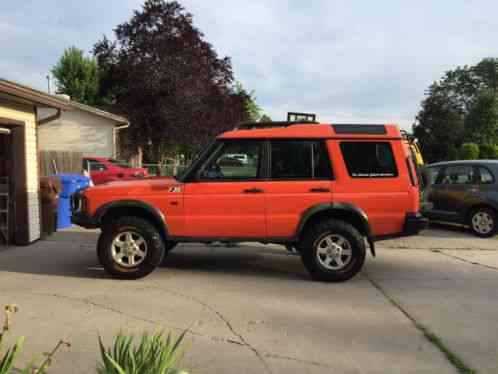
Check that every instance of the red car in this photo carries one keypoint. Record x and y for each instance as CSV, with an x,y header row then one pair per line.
x,y
104,170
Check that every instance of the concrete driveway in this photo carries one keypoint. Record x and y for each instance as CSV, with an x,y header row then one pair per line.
x,y
426,304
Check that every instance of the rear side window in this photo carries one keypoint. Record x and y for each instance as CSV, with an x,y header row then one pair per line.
x,y
485,176
369,159
299,159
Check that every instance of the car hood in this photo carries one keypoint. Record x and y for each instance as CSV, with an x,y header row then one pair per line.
x,y
134,187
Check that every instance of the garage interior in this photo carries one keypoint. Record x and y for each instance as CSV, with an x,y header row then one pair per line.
x,y
11,179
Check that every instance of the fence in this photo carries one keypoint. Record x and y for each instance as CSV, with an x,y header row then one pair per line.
x,y
52,162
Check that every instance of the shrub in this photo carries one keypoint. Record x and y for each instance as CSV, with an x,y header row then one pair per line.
x,y
488,151
154,354
469,151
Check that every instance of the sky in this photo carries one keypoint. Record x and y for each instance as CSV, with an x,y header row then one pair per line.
x,y
347,61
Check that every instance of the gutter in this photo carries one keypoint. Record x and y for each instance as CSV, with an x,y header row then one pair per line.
x,y
115,137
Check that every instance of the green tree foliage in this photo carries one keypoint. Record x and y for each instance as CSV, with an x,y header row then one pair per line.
x,y
78,76
481,123
469,151
460,107
254,110
265,118
168,80
488,151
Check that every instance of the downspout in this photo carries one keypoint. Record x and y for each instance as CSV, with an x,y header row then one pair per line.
x,y
115,137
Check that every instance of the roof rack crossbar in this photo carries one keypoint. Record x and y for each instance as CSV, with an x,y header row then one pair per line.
x,y
263,125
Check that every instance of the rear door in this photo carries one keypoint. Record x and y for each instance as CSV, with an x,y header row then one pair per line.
x,y
300,177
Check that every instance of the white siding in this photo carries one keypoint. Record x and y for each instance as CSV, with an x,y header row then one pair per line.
x,y
27,115
78,131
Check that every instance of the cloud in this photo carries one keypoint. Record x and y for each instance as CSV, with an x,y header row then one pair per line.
x,y
347,61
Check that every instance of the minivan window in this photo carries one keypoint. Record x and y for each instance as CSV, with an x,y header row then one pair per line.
x,y
485,176
369,159
299,159
458,175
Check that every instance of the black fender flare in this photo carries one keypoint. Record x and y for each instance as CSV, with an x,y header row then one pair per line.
x,y
338,207
150,209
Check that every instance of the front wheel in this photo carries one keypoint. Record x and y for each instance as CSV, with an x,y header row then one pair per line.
x,y
130,248
333,251
482,222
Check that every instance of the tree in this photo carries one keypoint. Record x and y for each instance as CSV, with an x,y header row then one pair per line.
x,y
488,151
168,80
253,109
469,151
78,76
481,123
460,106
265,118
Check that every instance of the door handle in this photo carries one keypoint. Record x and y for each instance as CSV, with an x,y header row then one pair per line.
x,y
253,190
319,189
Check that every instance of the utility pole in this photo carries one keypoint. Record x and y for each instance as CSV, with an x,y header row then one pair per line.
x,y
48,83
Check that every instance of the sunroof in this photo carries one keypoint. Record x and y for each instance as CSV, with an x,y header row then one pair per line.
x,y
364,129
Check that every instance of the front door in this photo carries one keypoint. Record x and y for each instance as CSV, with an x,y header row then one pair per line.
x,y
227,197
300,178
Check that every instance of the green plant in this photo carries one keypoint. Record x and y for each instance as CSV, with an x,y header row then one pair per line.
x,y
469,151
8,359
155,354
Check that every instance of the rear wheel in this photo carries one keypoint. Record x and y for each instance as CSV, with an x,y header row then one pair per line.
x,y
130,248
333,251
482,222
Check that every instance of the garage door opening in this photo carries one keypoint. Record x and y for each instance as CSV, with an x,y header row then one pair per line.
x,y
6,202
13,203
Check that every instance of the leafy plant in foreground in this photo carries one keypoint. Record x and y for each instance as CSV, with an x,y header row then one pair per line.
x,y
154,354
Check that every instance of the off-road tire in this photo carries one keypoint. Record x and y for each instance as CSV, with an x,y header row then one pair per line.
x,y
309,246
154,242
491,213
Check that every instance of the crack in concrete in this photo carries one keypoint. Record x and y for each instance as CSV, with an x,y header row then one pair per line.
x,y
307,362
224,319
452,357
142,319
464,260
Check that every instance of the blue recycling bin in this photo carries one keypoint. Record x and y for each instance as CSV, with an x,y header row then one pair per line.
x,y
70,184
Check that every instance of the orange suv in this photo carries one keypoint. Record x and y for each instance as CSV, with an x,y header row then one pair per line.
x,y
328,190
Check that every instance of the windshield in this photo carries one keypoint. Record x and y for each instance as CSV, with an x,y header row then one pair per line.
x,y
121,164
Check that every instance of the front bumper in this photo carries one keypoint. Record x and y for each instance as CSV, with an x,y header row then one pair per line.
x,y
414,223
83,220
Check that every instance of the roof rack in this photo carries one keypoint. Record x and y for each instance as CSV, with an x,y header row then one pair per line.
x,y
264,125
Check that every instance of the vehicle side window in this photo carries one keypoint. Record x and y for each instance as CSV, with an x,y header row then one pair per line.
x,y
458,175
224,166
369,159
432,175
299,159
485,176
94,165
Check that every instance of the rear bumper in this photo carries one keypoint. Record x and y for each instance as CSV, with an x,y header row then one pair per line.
x,y
414,223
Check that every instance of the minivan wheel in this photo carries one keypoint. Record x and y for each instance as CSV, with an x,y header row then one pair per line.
x,y
482,222
130,248
333,251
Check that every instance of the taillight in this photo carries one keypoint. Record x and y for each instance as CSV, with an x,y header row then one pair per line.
x,y
411,171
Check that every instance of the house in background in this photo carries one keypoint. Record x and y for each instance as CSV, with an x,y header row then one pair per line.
x,y
85,129
20,121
